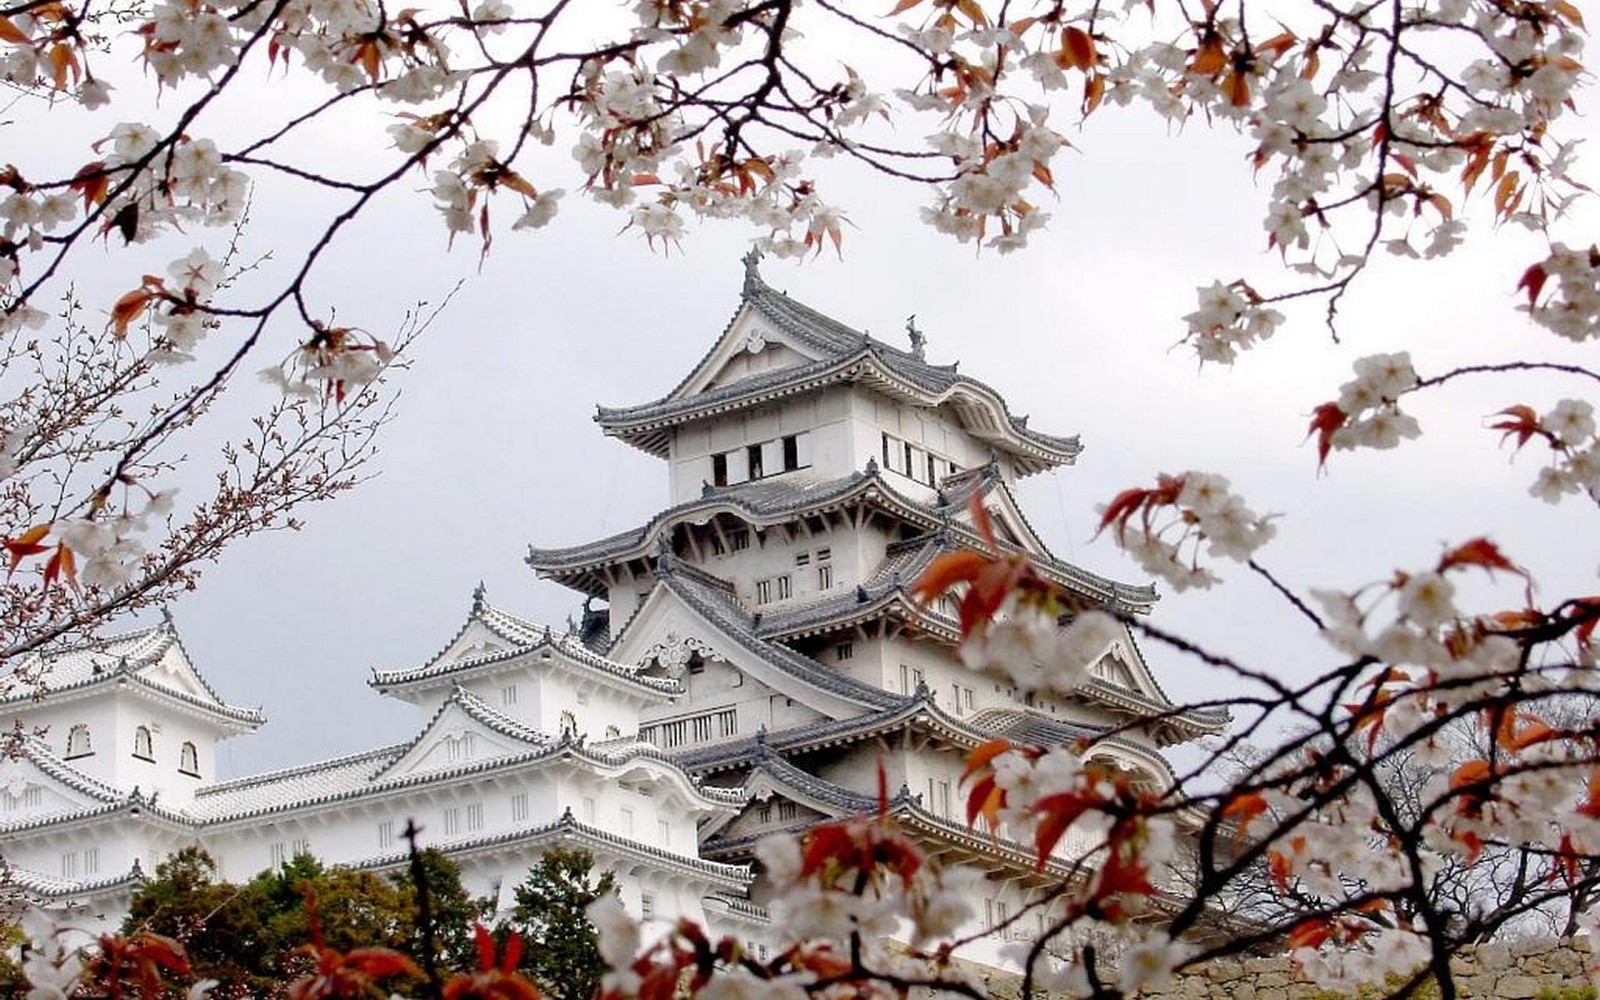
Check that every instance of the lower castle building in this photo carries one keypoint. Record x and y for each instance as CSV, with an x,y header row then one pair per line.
x,y
749,659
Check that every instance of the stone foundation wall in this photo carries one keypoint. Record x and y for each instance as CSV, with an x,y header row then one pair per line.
x,y
1527,970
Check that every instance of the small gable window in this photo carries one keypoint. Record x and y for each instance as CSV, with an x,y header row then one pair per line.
x,y
78,742
569,723
143,745
189,760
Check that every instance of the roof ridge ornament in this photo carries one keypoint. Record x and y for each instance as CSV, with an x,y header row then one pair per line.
x,y
752,272
478,596
919,341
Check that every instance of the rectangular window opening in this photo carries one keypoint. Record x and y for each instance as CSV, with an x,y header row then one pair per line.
x,y
791,453
719,470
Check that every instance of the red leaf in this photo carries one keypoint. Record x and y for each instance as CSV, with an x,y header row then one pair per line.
x,y
1479,552
1325,421
1533,281
981,755
1522,423
947,570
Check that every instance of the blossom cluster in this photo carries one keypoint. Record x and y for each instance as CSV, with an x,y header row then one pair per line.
x,y
1367,413
1569,431
1180,513
1026,644
1572,309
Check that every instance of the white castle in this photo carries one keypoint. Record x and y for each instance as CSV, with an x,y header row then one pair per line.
x,y
747,662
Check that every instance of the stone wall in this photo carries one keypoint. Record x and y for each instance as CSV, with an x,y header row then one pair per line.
x,y
1527,970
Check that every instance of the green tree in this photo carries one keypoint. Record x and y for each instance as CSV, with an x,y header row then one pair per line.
x,y
251,937
454,912
221,927
564,957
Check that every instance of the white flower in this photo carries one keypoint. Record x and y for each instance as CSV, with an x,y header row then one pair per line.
x,y
618,932
1426,599
779,855
1572,422
1148,965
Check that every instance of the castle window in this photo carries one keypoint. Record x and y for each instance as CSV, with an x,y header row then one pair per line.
x,y
143,745
824,576
647,905
802,558
786,810
189,760
719,470
739,540
845,650
588,809
569,723
785,587
519,807
508,695
663,833
452,821
91,861
78,741
791,453
302,847
475,816
627,822
386,833
278,854
752,456
763,591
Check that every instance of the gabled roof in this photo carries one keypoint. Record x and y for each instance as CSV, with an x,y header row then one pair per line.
x,y
905,807
520,637
36,750
596,840
368,774
56,887
712,601
778,500
921,709
839,354
152,660
466,705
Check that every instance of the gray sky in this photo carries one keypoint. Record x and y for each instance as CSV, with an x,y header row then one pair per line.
x,y
494,446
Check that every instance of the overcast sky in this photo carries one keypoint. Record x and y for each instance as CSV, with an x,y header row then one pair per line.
x,y
494,446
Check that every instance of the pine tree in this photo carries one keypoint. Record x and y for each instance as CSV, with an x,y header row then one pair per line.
x,y
563,954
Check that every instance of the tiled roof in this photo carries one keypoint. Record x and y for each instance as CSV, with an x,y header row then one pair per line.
x,y
524,637
709,598
758,501
785,775
284,789
37,750
846,355
781,498
731,876
353,777
122,658
57,887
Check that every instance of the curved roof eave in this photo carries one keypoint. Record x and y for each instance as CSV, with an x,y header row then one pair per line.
x,y
642,426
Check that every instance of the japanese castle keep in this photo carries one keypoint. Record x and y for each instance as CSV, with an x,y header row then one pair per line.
x,y
746,660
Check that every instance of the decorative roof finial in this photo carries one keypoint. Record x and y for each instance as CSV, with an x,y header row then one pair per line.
x,y
166,616
872,466
477,598
919,342
752,272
